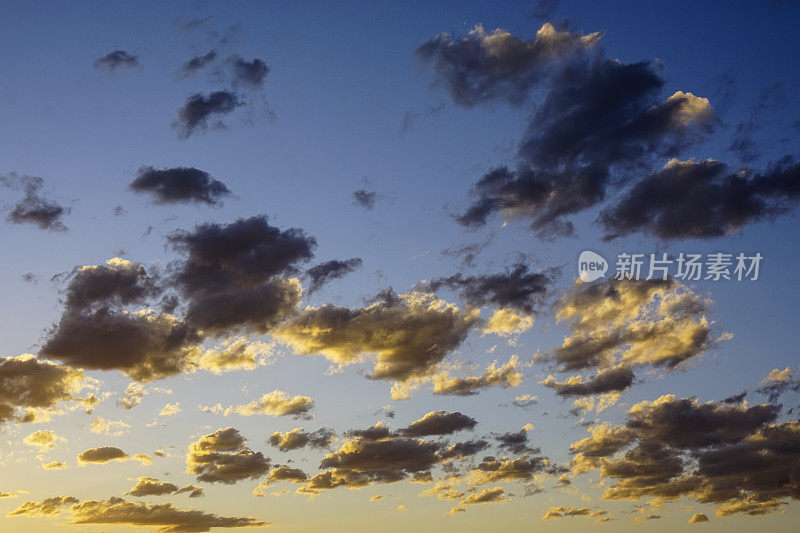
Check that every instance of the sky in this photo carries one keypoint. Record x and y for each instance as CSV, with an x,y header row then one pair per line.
x,y
312,265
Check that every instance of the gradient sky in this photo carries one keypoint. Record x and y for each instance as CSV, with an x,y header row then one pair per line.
x,y
347,105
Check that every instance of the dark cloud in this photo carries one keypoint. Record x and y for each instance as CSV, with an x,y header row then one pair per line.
x,y
376,432
117,59
179,184
145,346
439,423
516,288
329,270
364,198
515,442
686,423
34,208
463,450
117,283
609,380
732,455
198,62
703,199
199,108
297,438
232,273
102,454
410,333
249,74
386,460
224,457
596,119
484,67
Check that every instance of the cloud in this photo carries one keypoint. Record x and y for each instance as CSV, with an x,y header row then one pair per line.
x,y
729,454
635,323
560,512
506,376
50,506
507,323
439,423
525,400
596,119
98,330
31,388
494,495
492,470
516,288
410,333
364,198
609,380
360,462
462,450
779,381
483,67
249,74
103,454
118,282
117,59
703,199
43,439
166,517
224,457
34,208
192,490
144,345
198,62
286,473
54,465
179,184
147,486
329,270
233,274
297,438
379,455
276,403
170,409
134,393
515,442
235,354
698,518
195,114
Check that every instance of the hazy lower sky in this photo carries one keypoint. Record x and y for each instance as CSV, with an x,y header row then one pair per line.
x,y
315,265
